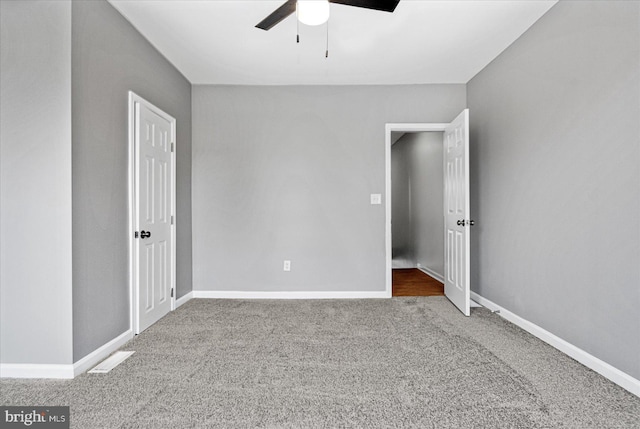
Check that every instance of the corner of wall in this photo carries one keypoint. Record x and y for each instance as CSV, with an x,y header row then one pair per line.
x,y
35,221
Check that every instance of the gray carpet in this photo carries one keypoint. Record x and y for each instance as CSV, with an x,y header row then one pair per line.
x,y
401,362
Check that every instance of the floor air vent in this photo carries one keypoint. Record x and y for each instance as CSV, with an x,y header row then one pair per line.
x,y
111,362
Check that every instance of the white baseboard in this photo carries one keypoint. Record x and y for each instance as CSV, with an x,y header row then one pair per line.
x,y
402,265
35,370
289,295
620,378
27,370
431,273
98,355
184,299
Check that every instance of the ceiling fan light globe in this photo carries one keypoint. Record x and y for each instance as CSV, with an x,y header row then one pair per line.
x,y
313,12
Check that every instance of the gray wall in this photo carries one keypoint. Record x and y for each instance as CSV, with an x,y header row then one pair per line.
x,y
417,200
35,194
286,173
402,250
110,58
555,164
427,201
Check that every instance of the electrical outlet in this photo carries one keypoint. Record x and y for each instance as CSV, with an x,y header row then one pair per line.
x,y
287,266
376,199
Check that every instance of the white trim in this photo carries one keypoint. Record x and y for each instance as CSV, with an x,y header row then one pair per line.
x,y
184,299
28,370
99,354
35,370
133,303
416,127
219,294
620,378
174,214
431,273
407,128
132,204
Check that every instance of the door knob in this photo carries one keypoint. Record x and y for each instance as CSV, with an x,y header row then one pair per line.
x,y
145,234
465,222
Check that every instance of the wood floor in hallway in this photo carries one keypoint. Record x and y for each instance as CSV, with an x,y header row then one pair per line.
x,y
413,282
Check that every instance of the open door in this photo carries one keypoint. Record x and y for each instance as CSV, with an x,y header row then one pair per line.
x,y
153,208
456,212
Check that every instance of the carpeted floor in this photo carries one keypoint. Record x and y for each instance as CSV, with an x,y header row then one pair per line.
x,y
394,363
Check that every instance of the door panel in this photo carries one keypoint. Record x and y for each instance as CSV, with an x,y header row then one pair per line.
x,y
148,280
153,187
456,159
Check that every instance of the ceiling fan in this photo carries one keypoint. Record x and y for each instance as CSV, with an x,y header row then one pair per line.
x,y
289,7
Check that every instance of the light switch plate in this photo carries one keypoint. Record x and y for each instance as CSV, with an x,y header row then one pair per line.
x,y
376,198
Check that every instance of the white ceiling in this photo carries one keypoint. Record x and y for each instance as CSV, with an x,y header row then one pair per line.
x,y
423,41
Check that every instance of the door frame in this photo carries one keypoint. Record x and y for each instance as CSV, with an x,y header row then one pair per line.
x,y
389,128
133,195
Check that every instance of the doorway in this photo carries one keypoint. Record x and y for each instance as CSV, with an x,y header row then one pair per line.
x,y
417,186
456,205
152,212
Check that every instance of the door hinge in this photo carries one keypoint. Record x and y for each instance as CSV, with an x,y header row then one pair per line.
x,y
171,292
135,234
171,219
172,147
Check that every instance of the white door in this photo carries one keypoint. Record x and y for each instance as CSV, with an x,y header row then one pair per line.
x,y
456,212
154,235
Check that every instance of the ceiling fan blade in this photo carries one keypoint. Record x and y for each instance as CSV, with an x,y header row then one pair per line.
x,y
383,5
278,15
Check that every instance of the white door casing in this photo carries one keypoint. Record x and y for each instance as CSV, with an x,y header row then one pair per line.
x,y
456,212
406,128
152,219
